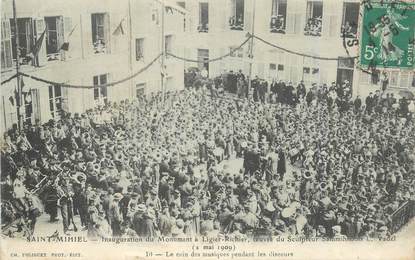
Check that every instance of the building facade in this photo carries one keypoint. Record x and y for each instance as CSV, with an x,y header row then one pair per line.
x,y
85,43
308,27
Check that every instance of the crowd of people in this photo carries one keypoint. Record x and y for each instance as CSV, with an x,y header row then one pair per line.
x,y
316,164
236,22
277,24
313,26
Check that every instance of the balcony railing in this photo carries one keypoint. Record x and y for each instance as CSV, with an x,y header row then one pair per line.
x,y
236,24
348,31
99,47
402,216
313,27
203,28
53,56
277,24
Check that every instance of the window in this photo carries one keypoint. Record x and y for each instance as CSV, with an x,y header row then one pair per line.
x,y
55,101
203,17
140,90
182,4
311,71
393,78
100,32
28,108
139,49
236,21
311,75
10,111
202,57
100,93
26,39
364,78
314,18
350,18
6,47
345,63
54,37
278,16
236,52
168,41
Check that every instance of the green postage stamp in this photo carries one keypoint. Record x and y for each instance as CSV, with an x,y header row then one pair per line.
x,y
387,34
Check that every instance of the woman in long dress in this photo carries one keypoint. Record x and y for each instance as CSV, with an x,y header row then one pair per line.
x,y
385,31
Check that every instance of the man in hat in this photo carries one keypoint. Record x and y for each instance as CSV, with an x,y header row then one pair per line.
x,y
337,232
115,215
65,194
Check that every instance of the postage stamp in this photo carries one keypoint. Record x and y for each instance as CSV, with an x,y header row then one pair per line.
x,y
387,34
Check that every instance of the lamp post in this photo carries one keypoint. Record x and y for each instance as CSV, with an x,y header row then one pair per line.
x,y
251,47
163,51
18,96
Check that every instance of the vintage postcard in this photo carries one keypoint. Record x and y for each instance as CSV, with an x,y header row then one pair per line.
x,y
207,129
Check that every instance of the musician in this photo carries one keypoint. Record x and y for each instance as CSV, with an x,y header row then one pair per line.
x,y
20,191
65,194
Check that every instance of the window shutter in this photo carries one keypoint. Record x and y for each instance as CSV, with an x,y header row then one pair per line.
x,y
40,26
6,50
107,32
36,104
60,32
323,75
404,82
44,111
67,27
298,24
290,23
194,17
248,20
65,99
333,31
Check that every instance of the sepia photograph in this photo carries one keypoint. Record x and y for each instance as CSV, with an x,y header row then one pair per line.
x,y
207,129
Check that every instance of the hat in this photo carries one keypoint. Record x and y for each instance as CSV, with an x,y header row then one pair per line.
x,y
336,228
118,196
141,208
383,228
288,212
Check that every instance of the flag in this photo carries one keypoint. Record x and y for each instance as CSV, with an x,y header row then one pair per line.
x,y
169,9
22,85
65,45
119,30
11,100
38,44
163,71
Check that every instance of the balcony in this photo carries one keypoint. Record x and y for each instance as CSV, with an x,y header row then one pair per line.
x,y
236,23
277,24
203,28
99,47
313,27
348,30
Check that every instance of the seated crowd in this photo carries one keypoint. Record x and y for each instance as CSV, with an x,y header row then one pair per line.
x,y
315,164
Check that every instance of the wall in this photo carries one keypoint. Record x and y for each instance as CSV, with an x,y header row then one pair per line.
x,y
220,38
81,64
